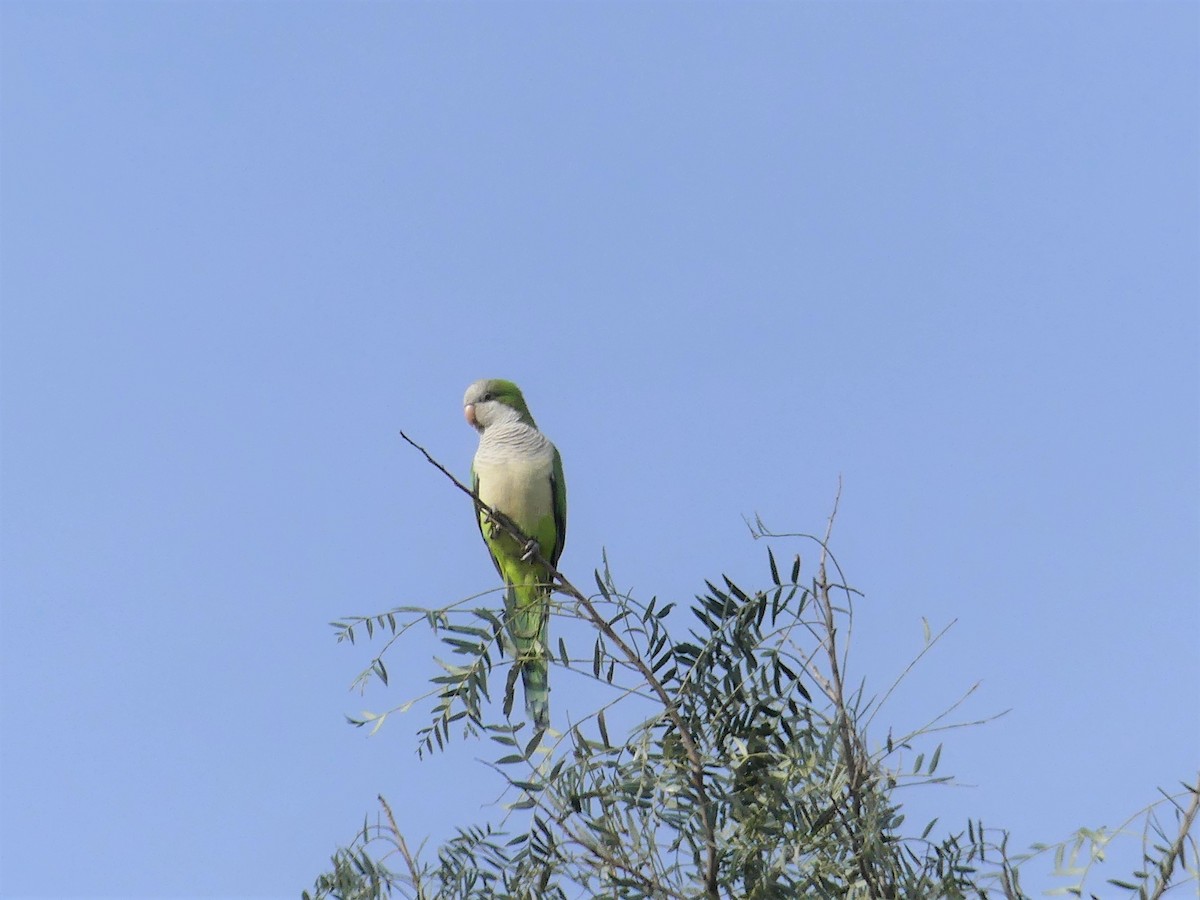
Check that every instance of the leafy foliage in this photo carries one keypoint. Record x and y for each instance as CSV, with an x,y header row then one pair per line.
x,y
746,771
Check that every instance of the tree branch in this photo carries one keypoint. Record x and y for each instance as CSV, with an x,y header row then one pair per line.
x,y
854,759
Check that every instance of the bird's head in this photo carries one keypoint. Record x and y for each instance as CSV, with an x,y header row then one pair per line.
x,y
493,400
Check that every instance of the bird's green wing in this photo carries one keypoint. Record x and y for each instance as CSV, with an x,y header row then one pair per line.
x,y
558,488
479,517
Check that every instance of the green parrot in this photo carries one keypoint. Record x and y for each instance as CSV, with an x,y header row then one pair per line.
x,y
519,474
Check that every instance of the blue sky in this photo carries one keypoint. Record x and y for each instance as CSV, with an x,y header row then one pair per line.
x,y
947,253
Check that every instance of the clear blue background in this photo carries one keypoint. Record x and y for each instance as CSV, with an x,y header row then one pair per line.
x,y
945,252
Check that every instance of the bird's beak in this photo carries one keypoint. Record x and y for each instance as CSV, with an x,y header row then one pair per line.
x,y
469,412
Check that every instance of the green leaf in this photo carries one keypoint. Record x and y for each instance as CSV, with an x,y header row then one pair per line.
x,y
736,591
490,617
509,688
600,584
533,742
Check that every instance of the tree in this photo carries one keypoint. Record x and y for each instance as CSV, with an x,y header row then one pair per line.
x,y
746,770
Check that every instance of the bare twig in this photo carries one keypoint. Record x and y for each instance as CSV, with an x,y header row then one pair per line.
x,y
414,870
855,766
907,669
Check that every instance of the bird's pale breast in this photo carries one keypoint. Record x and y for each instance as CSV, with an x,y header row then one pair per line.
x,y
519,488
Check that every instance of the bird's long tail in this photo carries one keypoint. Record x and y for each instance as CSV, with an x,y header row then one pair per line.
x,y
528,625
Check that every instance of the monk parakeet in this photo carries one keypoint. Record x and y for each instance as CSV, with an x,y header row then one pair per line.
x,y
519,474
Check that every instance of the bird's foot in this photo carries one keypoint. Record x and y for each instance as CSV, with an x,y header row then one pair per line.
x,y
530,548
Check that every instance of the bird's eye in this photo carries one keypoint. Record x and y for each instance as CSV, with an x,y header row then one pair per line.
x,y
488,396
